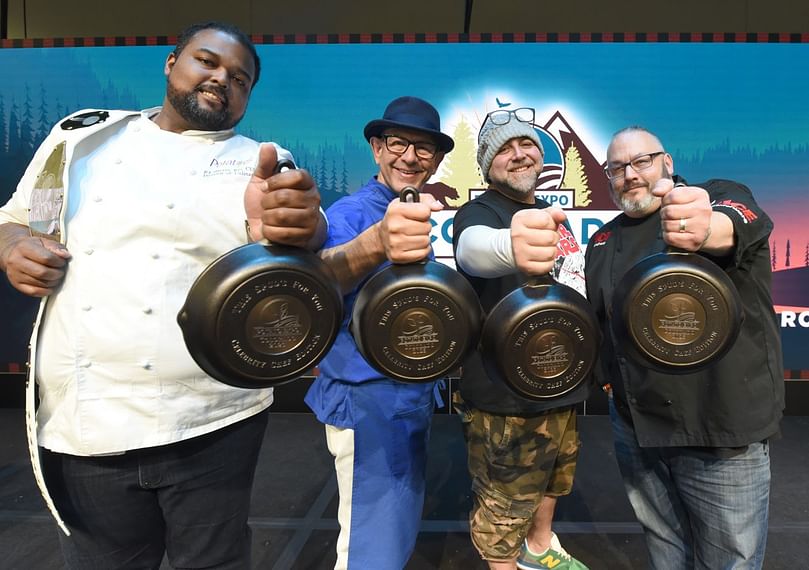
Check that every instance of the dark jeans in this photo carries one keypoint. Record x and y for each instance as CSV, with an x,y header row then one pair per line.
x,y
698,510
188,499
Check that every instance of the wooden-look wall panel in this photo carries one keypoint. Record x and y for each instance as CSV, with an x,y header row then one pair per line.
x,y
88,18
769,16
76,18
600,16
277,17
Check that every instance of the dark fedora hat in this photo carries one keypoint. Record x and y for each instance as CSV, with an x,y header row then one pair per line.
x,y
411,113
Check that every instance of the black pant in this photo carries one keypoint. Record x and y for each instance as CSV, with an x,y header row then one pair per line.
x,y
188,499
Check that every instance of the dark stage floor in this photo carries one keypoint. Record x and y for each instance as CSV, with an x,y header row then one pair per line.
x,y
294,502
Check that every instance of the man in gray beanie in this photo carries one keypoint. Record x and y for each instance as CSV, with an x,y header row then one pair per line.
x,y
494,134
500,237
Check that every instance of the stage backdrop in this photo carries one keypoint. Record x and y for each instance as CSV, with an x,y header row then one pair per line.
x,y
725,106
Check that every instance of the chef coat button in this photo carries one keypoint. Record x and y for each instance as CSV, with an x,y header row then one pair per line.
x,y
89,251
170,205
85,363
86,307
147,310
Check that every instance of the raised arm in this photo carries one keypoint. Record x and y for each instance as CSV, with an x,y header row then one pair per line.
x,y
402,236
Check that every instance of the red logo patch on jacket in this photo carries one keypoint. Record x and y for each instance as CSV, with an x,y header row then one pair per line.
x,y
746,213
600,238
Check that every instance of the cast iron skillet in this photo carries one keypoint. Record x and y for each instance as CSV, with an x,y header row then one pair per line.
x,y
261,315
416,322
541,340
676,312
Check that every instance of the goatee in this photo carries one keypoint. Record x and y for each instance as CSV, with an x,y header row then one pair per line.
x,y
187,106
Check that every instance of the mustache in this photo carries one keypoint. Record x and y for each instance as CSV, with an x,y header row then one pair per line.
x,y
216,90
633,186
522,164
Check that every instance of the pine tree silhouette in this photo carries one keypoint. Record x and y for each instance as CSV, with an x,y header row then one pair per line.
x,y
43,123
3,131
772,259
324,170
460,168
786,261
344,178
576,177
6,183
17,153
333,178
14,141
27,125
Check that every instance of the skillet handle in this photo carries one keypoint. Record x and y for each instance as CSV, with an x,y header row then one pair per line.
x,y
284,165
281,166
409,194
539,280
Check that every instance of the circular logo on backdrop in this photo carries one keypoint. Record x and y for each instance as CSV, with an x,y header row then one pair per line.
x,y
553,171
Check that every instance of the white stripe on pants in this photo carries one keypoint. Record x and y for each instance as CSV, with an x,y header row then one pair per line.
x,y
341,445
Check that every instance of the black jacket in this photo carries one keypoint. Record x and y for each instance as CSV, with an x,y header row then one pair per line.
x,y
738,400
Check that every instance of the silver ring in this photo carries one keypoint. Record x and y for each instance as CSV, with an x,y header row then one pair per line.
x,y
682,225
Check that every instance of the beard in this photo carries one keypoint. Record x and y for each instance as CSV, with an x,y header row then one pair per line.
x,y
633,205
186,103
519,186
646,204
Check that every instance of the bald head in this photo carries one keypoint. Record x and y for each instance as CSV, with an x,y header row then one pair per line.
x,y
632,132
636,160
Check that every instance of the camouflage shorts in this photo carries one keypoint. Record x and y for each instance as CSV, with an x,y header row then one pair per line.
x,y
514,462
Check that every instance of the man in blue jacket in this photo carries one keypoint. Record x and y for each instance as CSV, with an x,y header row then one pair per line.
x,y
377,428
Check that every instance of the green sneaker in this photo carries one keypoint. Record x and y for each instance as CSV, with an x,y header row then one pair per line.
x,y
555,558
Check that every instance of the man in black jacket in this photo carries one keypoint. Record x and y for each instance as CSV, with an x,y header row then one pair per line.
x,y
692,448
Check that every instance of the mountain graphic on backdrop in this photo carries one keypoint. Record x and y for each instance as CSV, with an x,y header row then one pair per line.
x,y
566,136
789,287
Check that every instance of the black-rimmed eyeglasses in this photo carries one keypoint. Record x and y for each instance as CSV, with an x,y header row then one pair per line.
x,y
503,116
399,145
642,162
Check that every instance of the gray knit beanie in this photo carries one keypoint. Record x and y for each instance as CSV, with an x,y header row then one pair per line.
x,y
492,137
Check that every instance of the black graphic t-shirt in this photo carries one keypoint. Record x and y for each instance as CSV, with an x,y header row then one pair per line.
x,y
494,210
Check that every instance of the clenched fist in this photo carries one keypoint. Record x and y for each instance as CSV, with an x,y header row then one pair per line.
x,y
534,237
35,266
685,214
282,207
405,229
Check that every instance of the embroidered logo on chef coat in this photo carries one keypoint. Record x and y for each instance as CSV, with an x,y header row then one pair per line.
x,y
229,167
